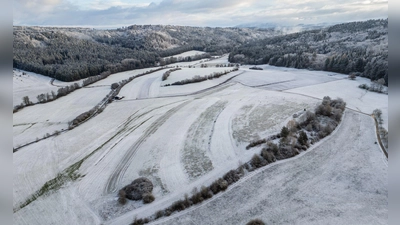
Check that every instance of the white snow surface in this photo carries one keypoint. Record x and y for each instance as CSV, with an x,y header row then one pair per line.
x,y
189,73
36,121
218,60
181,137
356,98
335,182
186,54
32,85
117,77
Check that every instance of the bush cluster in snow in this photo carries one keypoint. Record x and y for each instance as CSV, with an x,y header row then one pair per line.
x,y
295,137
198,78
139,189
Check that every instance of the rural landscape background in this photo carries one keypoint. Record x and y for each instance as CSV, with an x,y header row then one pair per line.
x,y
204,114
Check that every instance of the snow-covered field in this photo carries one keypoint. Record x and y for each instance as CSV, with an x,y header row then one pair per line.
x,y
189,73
38,120
186,54
218,61
336,182
281,78
117,77
182,137
32,84
356,98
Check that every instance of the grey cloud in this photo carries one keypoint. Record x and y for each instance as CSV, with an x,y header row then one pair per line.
x,y
198,13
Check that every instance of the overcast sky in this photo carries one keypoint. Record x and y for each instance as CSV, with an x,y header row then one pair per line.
x,y
213,13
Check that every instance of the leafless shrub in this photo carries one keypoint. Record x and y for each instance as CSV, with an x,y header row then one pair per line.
x,y
284,132
178,206
114,86
286,152
166,74
337,114
205,192
302,139
255,222
159,214
292,126
196,197
256,143
148,198
268,155
219,185
137,221
352,76
122,197
338,104
231,177
257,161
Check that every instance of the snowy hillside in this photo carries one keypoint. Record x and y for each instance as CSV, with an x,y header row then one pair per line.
x,y
182,137
356,47
31,84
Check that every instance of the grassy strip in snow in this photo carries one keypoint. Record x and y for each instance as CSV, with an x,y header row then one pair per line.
x,y
381,132
330,111
70,173
194,155
67,175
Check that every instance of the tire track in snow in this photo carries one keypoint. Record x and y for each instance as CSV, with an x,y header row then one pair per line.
x,y
268,84
121,168
343,127
200,93
212,129
145,90
195,158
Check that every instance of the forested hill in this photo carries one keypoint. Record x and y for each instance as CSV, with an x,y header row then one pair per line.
x,y
359,47
74,53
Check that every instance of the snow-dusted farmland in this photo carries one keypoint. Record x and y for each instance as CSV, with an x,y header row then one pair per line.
x,y
117,77
356,98
187,54
182,137
189,73
223,60
38,120
280,78
32,84
340,182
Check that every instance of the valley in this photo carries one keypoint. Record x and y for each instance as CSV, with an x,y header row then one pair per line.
x,y
185,136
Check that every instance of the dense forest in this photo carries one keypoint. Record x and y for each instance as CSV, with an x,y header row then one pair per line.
x,y
70,54
356,47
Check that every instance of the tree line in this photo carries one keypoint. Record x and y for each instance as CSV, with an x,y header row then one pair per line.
x,y
70,54
360,47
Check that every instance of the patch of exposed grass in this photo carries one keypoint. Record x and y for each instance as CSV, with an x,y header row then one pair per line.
x,y
194,157
67,175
